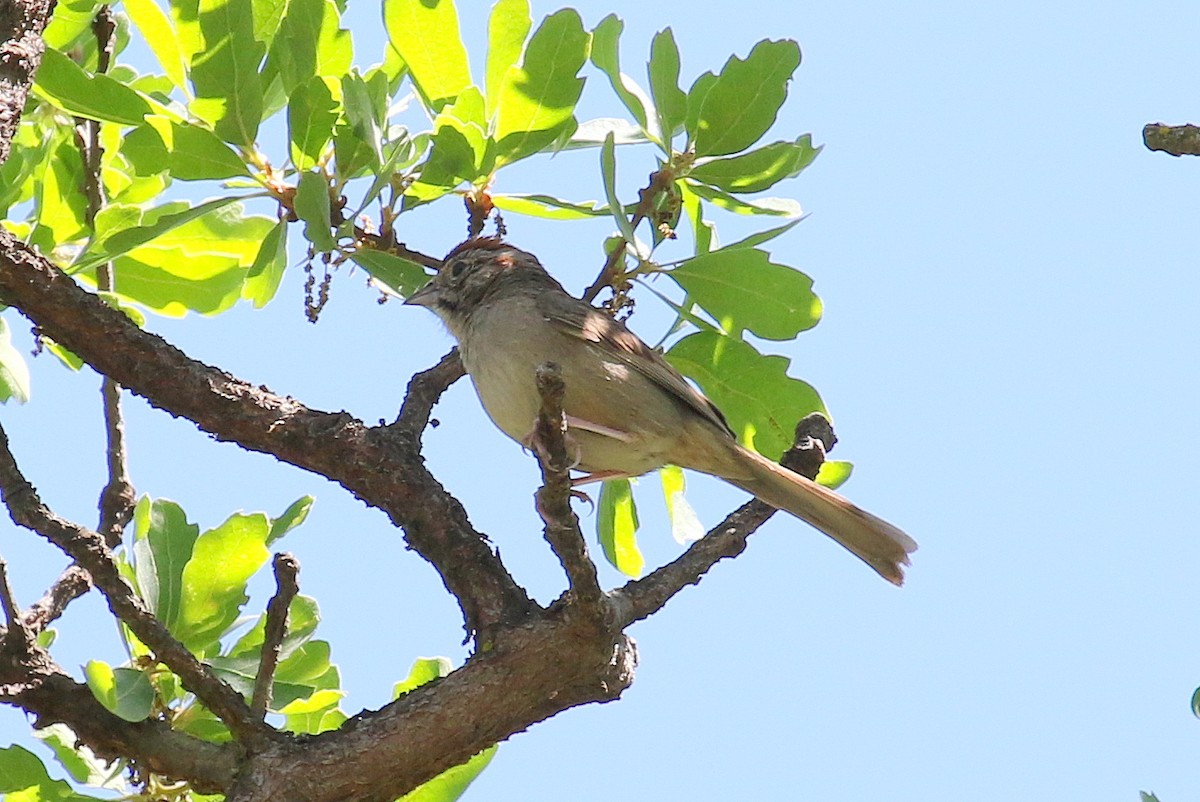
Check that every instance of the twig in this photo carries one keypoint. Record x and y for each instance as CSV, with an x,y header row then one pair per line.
x,y
1178,140
17,637
286,568
643,597
73,583
554,497
424,391
89,550
660,181
117,498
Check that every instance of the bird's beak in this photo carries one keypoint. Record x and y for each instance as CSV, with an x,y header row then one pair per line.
x,y
426,296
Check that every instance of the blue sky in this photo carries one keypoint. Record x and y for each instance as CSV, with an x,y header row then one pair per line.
x,y
1010,283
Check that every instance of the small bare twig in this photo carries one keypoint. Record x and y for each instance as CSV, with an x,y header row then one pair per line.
x,y
286,569
424,390
70,585
17,637
554,497
643,597
660,182
89,550
1178,140
118,496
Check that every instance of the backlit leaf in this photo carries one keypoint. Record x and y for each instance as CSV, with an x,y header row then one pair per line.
x,y
537,100
214,579
743,289
312,111
425,34
741,104
14,373
760,401
229,93
508,26
759,169
616,527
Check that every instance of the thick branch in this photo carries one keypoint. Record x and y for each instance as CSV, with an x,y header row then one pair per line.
x,y
21,48
44,690
534,671
1178,140
554,497
89,550
382,467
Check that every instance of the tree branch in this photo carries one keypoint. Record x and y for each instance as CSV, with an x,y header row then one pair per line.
x,y
40,687
1178,140
70,585
21,48
554,497
381,466
89,550
286,568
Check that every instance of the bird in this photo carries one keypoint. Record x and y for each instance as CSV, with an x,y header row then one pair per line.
x,y
627,410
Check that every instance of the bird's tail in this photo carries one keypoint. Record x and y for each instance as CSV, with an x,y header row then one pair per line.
x,y
873,540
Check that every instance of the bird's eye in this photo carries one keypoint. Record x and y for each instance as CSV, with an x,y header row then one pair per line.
x,y
457,268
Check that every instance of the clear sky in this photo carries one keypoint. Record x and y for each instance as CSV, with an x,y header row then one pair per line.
x,y
1010,284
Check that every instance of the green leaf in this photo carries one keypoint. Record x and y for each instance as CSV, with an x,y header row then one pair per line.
x,y
79,761
14,373
606,39
685,524
1196,703
292,517
663,70
451,783
59,200
425,34
1147,797
550,207
705,233
393,273
592,133
69,87
23,778
616,527
759,169
536,101
363,113
312,111
72,19
781,207
201,267
459,145
189,152
310,42
424,669
608,172
743,289
508,26
695,102
316,714
760,401
214,579
741,104
229,92
163,542
125,692
120,229
160,36
312,206
266,273
761,237
834,473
